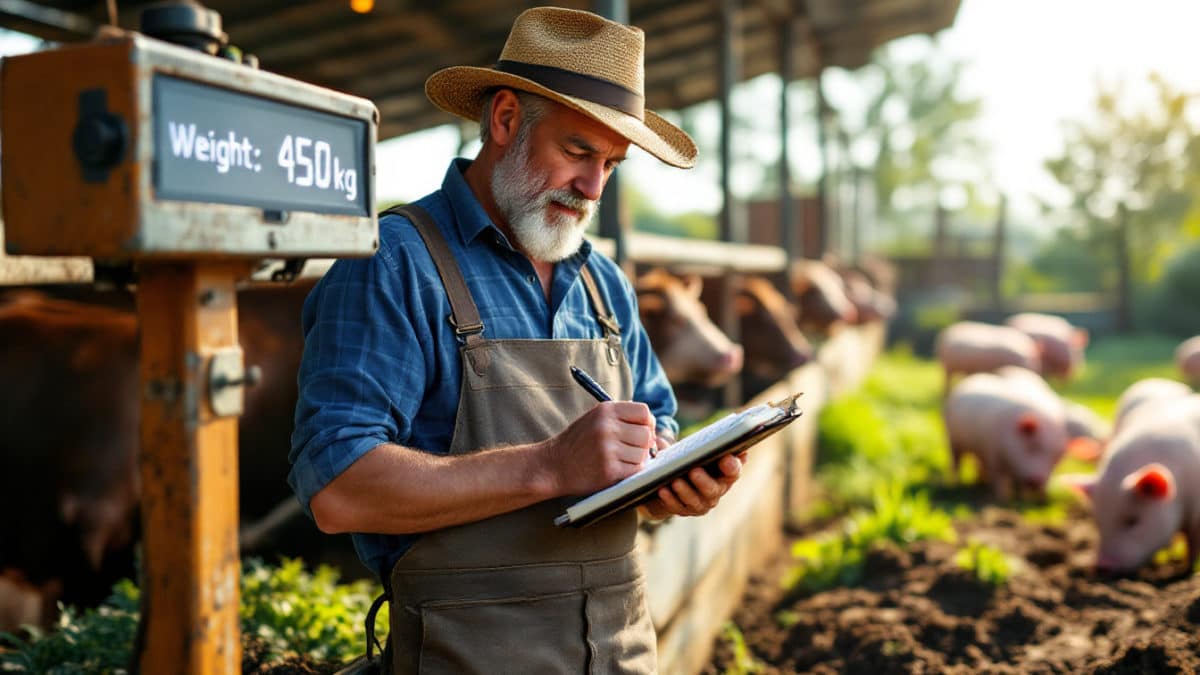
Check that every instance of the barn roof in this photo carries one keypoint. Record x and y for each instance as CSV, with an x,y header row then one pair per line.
x,y
386,55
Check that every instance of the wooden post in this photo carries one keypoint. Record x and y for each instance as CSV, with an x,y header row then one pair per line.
x,y
998,246
733,226
614,221
1124,271
191,572
823,224
789,236
940,248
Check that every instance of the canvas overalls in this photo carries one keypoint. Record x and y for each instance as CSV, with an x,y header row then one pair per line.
x,y
513,593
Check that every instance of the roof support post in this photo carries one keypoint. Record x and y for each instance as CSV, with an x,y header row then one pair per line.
x,y
823,223
792,245
733,225
614,221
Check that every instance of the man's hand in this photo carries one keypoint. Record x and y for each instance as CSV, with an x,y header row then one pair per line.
x,y
696,495
606,444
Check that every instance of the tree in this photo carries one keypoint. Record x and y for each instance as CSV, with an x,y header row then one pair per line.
x,y
915,137
1130,176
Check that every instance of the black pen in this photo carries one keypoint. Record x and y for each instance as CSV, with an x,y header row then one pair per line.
x,y
593,387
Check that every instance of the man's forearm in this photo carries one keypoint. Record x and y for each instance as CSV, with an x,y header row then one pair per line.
x,y
399,490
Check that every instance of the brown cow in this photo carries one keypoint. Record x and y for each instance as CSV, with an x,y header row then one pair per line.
x,y
691,348
771,339
69,429
821,295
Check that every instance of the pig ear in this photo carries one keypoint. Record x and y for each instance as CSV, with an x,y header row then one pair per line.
x,y
1083,484
1027,424
693,284
1153,481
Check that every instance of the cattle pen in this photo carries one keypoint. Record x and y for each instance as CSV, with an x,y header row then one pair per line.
x,y
697,569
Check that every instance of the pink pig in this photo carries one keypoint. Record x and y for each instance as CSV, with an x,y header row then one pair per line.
x,y
1187,358
1061,345
970,347
1015,427
1137,395
1145,490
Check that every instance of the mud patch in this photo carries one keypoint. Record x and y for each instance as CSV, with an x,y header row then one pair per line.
x,y
918,612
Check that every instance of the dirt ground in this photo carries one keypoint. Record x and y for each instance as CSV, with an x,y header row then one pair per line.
x,y
918,612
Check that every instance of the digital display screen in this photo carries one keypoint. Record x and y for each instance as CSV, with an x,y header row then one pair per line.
x,y
215,145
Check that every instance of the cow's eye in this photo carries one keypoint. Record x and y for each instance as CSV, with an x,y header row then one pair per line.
x,y
1129,522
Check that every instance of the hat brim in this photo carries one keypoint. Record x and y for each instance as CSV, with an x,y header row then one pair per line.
x,y
460,90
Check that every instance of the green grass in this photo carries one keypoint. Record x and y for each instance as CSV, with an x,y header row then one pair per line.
x,y
890,430
885,443
897,516
1115,363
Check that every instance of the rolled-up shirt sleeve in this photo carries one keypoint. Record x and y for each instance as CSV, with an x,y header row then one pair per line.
x,y
361,375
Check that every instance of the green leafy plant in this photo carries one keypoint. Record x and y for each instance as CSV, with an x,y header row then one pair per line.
x,y
837,560
92,641
286,610
890,430
744,662
294,611
989,564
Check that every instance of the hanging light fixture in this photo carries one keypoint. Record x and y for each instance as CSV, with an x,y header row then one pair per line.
x,y
362,6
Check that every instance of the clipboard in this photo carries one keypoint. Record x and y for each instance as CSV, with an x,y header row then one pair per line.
x,y
729,435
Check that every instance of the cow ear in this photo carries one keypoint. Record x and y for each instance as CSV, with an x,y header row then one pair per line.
x,y
651,303
693,285
1027,424
1080,337
1082,484
1153,481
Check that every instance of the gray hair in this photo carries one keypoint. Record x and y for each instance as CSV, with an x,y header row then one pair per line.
x,y
533,109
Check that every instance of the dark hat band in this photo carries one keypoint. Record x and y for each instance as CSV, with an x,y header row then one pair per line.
x,y
582,86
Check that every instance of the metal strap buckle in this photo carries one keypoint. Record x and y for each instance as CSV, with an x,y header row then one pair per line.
x,y
463,331
610,323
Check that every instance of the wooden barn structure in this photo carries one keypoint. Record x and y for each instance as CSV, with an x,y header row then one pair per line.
x,y
697,50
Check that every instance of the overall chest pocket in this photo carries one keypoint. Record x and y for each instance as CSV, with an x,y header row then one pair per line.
x,y
518,635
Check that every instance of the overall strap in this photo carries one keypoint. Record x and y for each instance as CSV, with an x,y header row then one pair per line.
x,y
612,328
607,321
464,313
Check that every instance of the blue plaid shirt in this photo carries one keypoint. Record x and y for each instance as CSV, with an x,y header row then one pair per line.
x,y
381,362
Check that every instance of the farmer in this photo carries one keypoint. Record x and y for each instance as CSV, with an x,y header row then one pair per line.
x,y
437,419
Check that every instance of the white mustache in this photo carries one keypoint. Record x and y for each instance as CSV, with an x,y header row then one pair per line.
x,y
572,200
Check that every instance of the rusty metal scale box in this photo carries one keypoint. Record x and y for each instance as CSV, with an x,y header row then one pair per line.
x,y
129,147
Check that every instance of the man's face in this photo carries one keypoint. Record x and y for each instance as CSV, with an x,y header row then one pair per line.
x,y
550,179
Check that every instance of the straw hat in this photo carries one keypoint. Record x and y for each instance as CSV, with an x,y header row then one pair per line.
x,y
578,59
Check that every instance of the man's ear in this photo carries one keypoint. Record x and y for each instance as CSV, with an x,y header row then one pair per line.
x,y
505,117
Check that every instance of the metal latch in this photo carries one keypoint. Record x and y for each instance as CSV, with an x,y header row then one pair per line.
x,y
227,379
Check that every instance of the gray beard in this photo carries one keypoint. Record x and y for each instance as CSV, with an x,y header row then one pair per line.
x,y
543,232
